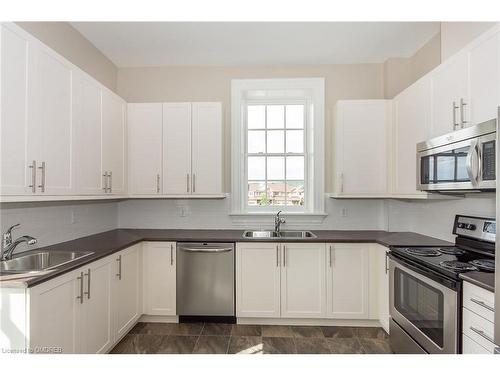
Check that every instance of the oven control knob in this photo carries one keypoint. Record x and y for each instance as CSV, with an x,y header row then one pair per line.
x,y
470,227
461,225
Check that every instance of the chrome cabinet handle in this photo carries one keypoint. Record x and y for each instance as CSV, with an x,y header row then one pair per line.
x,y
482,304
342,182
200,250
88,284
187,182
462,112
386,264
171,254
481,333
80,297
454,109
119,260
330,256
110,175
33,176
158,183
277,256
42,180
194,182
284,256
105,180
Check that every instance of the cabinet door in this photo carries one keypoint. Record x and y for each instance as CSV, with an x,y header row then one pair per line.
x,y
126,290
303,281
96,322
484,73
55,312
207,148
113,140
15,174
87,119
381,270
50,122
412,122
362,147
144,125
449,85
159,285
258,280
177,148
347,285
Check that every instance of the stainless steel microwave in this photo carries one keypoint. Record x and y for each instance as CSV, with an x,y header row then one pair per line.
x,y
462,160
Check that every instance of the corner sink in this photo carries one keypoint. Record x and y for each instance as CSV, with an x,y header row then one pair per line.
x,y
286,234
41,260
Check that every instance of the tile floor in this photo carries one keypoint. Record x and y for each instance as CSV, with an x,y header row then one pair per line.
x,y
216,338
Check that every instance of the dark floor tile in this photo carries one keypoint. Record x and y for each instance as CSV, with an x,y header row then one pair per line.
x,y
371,333
307,331
312,346
187,329
216,329
211,345
338,332
245,345
277,331
177,344
246,330
137,328
345,346
278,345
156,328
125,346
146,344
375,346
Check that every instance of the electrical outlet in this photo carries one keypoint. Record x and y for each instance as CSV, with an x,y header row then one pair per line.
x,y
344,212
183,211
72,216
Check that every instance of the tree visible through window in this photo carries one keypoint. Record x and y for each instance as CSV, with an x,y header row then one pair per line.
x,y
275,154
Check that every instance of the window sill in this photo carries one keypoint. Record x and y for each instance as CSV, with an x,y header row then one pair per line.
x,y
260,219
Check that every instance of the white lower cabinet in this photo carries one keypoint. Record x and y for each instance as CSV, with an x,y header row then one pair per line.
x,y
347,281
159,278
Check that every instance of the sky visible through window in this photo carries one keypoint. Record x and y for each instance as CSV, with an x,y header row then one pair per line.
x,y
275,155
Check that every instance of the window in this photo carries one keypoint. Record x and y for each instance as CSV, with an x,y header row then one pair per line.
x,y
278,146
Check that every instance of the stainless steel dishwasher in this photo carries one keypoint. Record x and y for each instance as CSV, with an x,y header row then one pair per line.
x,y
205,279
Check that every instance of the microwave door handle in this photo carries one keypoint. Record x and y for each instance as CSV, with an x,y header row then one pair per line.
x,y
472,169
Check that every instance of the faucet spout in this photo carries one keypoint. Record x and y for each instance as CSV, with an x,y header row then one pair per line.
x,y
277,222
9,248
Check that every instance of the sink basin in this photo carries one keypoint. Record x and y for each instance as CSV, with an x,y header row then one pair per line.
x,y
286,234
41,260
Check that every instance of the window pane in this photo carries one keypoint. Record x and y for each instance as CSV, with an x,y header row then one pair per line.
x,y
295,141
275,116
295,116
256,141
276,192
256,168
295,168
275,168
257,193
275,141
256,116
295,193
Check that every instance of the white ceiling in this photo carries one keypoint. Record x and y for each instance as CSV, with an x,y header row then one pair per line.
x,y
130,44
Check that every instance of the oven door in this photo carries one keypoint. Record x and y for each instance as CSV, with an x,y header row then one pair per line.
x,y
425,309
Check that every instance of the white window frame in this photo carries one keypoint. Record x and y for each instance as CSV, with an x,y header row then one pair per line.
x,y
314,131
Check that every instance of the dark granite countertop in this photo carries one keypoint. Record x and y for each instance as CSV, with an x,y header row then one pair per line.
x,y
485,280
106,243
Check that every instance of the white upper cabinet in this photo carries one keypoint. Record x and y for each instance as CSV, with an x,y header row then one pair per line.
x,y
207,148
412,124
113,142
177,148
87,108
362,130
144,125
15,174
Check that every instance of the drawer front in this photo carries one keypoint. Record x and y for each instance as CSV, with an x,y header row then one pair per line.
x,y
478,329
472,347
479,300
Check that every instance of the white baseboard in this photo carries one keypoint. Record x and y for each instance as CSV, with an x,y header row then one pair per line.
x,y
311,322
159,319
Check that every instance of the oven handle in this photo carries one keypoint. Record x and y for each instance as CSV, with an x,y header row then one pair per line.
x,y
473,168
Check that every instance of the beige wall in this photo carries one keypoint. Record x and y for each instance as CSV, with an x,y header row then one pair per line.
x,y
171,84
399,73
68,42
456,35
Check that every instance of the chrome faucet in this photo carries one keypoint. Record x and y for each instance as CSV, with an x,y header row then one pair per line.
x,y
8,246
277,222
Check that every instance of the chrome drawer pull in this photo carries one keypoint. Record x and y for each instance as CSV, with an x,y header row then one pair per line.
x,y
80,297
482,304
33,176
482,334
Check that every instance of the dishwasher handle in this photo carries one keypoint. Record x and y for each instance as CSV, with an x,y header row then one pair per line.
x,y
208,250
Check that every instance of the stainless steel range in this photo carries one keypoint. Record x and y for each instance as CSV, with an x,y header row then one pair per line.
x,y
425,287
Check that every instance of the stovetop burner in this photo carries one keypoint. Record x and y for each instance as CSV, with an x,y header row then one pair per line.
x,y
451,251
455,265
422,251
484,264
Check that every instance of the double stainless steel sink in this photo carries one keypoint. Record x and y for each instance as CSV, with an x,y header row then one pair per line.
x,y
285,234
35,261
